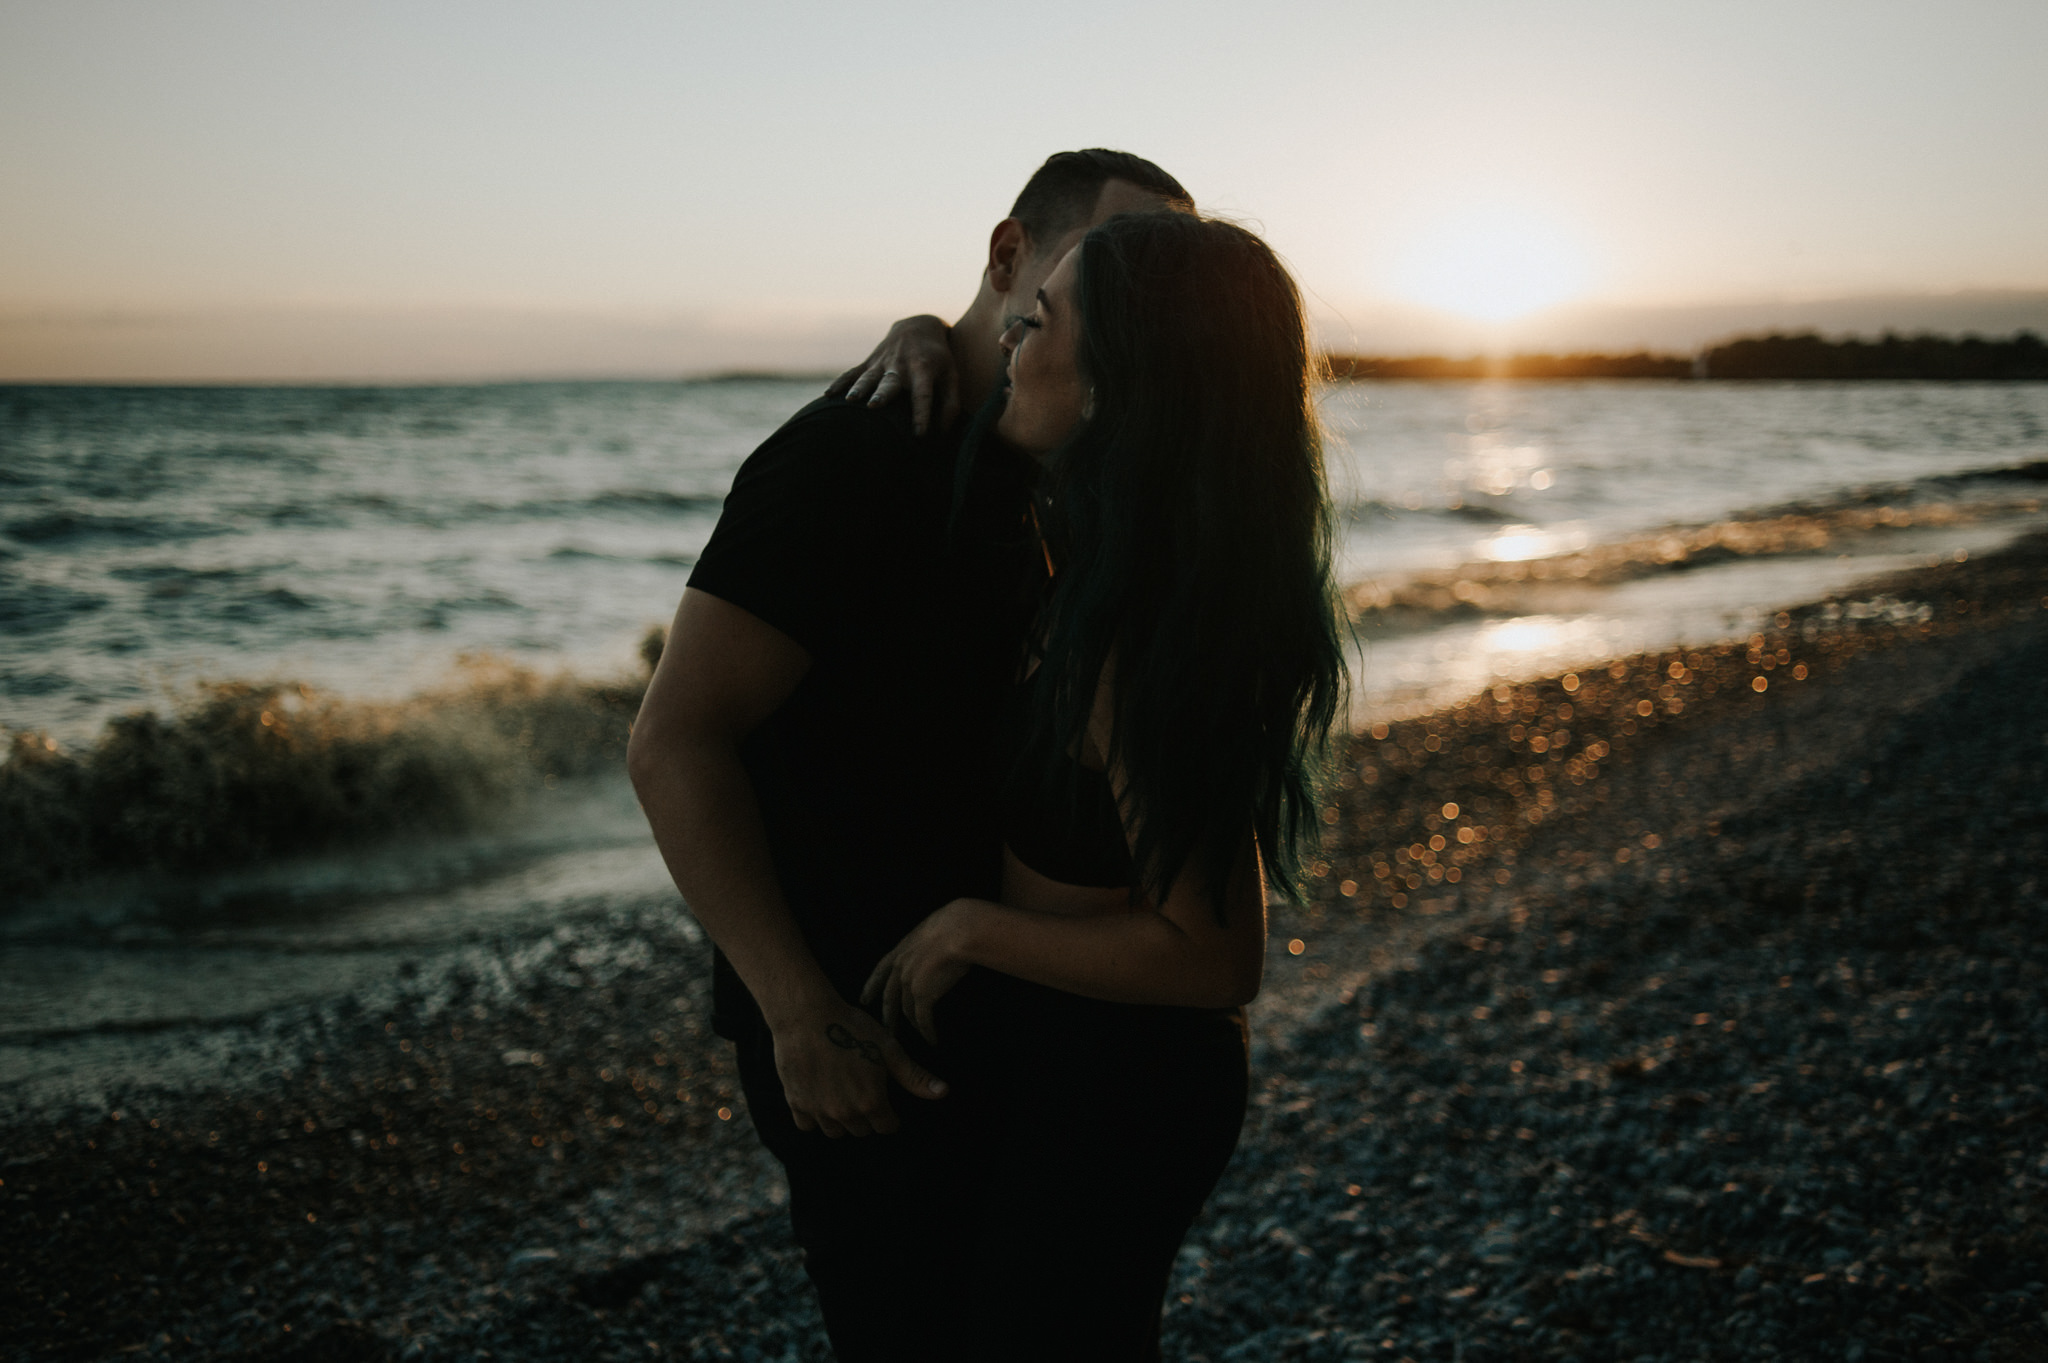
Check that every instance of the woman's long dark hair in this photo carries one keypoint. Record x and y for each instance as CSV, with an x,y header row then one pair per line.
x,y
1191,527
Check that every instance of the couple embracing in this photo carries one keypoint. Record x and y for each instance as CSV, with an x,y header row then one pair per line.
x,y
975,752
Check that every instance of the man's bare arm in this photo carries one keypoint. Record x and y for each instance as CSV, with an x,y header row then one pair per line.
x,y
722,673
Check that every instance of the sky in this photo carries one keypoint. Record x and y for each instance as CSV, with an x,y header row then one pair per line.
x,y
235,190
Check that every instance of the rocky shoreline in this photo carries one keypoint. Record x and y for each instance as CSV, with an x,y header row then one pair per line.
x,y
1723,1039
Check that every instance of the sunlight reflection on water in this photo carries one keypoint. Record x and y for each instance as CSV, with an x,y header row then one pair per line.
x,y
1520,543
1409,674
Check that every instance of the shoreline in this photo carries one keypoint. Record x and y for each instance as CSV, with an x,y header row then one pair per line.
x,y
412,1181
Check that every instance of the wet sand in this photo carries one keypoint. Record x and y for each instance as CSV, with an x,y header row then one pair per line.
x,y
1722,1040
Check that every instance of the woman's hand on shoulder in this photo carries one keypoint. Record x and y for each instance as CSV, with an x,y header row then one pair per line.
x,y
914,355
923,967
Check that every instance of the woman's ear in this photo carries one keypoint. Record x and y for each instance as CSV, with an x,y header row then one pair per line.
x,y
1009,247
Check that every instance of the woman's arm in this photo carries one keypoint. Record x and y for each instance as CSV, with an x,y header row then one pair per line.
x,y
1195,950
1183,952
914,355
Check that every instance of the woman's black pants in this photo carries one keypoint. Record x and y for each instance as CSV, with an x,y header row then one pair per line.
x,y
1035,1211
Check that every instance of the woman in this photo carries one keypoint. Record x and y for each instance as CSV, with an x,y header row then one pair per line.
x,y
1182,674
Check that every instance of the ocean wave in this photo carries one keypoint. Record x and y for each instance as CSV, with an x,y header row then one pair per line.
x,y
39,607
41,683
579,551
1857,516
1367,510
435,514
297,515
69,527
176,579
245,771
613,500
647,499
1960,485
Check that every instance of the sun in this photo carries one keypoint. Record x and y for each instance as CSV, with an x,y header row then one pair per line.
x,y
1492,264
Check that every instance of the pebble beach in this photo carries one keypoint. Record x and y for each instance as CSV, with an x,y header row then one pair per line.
x,y
1682,1007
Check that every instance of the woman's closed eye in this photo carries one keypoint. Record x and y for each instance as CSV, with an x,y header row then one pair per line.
x,y
1016,327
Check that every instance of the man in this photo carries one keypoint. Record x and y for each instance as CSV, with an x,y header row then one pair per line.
x,y
810,754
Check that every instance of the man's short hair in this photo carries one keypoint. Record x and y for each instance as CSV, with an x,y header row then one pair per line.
x,y
1060,195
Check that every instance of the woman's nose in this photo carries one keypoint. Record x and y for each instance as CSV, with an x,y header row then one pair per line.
x,y
1008,340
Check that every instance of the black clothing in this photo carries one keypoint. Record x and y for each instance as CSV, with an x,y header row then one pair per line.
x,y
1109,1124
883,1220
871,776
1059,817
1051,1188
1034,1212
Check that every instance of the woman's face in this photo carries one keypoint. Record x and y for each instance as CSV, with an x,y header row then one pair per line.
x,y
1047,396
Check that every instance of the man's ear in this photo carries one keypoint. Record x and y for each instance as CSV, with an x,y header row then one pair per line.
x,y
1009,247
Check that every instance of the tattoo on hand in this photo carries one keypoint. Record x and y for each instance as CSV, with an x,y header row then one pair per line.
x,y
837,1034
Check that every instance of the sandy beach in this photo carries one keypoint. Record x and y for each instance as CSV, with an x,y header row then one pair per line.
x,y
1685,1007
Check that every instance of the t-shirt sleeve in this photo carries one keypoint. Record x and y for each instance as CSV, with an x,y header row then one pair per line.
x,y
793,525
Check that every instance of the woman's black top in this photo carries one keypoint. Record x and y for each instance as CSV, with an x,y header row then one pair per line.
x,y
1059,817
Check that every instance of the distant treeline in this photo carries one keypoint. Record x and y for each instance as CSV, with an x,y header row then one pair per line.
x,y
1804,355
1637,366
1801,355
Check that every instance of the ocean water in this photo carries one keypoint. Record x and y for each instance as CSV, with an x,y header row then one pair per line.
x,y
356,539
362,541
1433,474
1820,486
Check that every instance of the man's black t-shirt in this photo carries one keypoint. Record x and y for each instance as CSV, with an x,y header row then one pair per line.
x,y
871,777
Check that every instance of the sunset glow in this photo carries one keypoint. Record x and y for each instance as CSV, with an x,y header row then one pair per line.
x,y
1493,264
240,191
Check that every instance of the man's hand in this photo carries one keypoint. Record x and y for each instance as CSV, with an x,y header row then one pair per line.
x,y
915,354
922,968
835,1064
